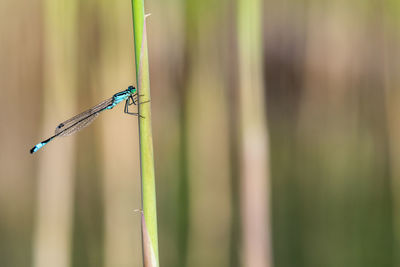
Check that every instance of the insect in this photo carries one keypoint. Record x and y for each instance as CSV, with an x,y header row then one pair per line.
x,y
85,118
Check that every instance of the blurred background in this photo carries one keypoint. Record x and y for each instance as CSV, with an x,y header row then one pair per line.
x,y
275,123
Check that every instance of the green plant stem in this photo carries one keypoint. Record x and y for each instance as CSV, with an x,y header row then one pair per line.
x,y
149,223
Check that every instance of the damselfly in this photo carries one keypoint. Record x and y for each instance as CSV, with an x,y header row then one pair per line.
x,y
82,120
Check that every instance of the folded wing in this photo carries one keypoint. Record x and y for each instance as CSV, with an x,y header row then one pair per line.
x,y
81,120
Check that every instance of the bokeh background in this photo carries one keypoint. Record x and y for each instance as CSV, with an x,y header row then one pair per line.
x,y
276,133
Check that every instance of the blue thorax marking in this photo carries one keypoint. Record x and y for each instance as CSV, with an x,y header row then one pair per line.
x,y
119,97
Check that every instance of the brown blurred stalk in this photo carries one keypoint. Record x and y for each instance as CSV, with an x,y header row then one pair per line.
x,y
206,135
254,139
120,170
52,234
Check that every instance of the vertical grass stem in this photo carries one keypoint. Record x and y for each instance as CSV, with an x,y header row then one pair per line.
x,y
149,216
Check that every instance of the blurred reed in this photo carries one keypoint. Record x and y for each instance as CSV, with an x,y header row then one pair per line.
x,y
391,66
119,145
56,167
21,41
206,133
256,250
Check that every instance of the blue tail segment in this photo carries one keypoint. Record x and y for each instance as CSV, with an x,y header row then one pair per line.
x,y
40,145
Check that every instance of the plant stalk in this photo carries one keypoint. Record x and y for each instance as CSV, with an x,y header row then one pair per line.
x,y
149,215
